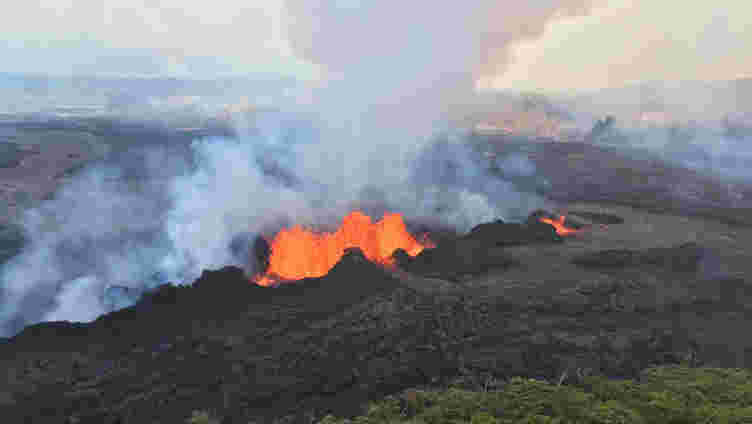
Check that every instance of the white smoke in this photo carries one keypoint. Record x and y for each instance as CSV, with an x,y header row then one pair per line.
x,y
96,231
100,231
684,122
78,301
363,136
227,195
516,164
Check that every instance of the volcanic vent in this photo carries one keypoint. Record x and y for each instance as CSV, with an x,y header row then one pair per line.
x,y
298,253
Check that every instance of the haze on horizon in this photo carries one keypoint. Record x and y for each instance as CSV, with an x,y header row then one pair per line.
x,y
619,42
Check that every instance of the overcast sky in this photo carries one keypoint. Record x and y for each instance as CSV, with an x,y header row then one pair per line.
x,y
619,42
637,40
193,38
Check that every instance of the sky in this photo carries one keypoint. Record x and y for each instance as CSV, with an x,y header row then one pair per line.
x,y
619,42
181,38
631,41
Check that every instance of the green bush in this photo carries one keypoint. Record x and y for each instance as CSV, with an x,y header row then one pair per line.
x,y
484,418
615,412
201,417
665,395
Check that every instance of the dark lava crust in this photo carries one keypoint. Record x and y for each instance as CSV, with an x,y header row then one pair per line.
x,y
329,345
477,252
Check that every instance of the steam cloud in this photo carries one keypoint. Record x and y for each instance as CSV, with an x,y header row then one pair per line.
x,y
365,136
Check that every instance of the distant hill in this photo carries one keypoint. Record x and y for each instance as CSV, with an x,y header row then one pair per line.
x,y
28,93
701,101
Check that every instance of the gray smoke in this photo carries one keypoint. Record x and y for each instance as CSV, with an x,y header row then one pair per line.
x,y
704,126
434,39
97,231
372,134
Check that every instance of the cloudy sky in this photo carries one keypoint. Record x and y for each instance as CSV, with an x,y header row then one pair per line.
x,y
617,43
195,38
628,41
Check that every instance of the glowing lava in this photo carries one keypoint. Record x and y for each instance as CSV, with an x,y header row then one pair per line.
x,y
298,253
558,224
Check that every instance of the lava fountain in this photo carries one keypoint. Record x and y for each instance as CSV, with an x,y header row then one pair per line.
x,y
298,253
558,224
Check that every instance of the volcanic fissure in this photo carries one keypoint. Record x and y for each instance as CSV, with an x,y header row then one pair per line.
x,y
298,252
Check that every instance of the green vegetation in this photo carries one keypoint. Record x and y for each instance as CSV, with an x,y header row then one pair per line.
x,y
201,417
665,395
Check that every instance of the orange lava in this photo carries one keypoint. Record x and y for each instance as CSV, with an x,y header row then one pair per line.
x,y
558,224
298,253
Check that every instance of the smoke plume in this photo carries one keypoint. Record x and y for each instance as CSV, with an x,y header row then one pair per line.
x,y
372,133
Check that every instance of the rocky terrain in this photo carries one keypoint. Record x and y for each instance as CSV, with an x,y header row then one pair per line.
x,y
650,278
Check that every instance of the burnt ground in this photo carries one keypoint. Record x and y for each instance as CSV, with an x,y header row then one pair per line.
x,y
643,283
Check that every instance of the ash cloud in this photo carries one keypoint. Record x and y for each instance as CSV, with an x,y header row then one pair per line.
x,y
373,133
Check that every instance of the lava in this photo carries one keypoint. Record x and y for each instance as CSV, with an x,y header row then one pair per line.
x,y
558,224
298,253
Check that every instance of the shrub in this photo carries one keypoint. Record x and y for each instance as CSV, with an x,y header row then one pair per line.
x,y
201,417
666,395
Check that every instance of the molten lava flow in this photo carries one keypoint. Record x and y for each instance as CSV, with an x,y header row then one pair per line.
x,y
298,253
558,224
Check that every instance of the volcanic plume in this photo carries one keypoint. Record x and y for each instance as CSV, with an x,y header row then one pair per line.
x,y
358,136
298,253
